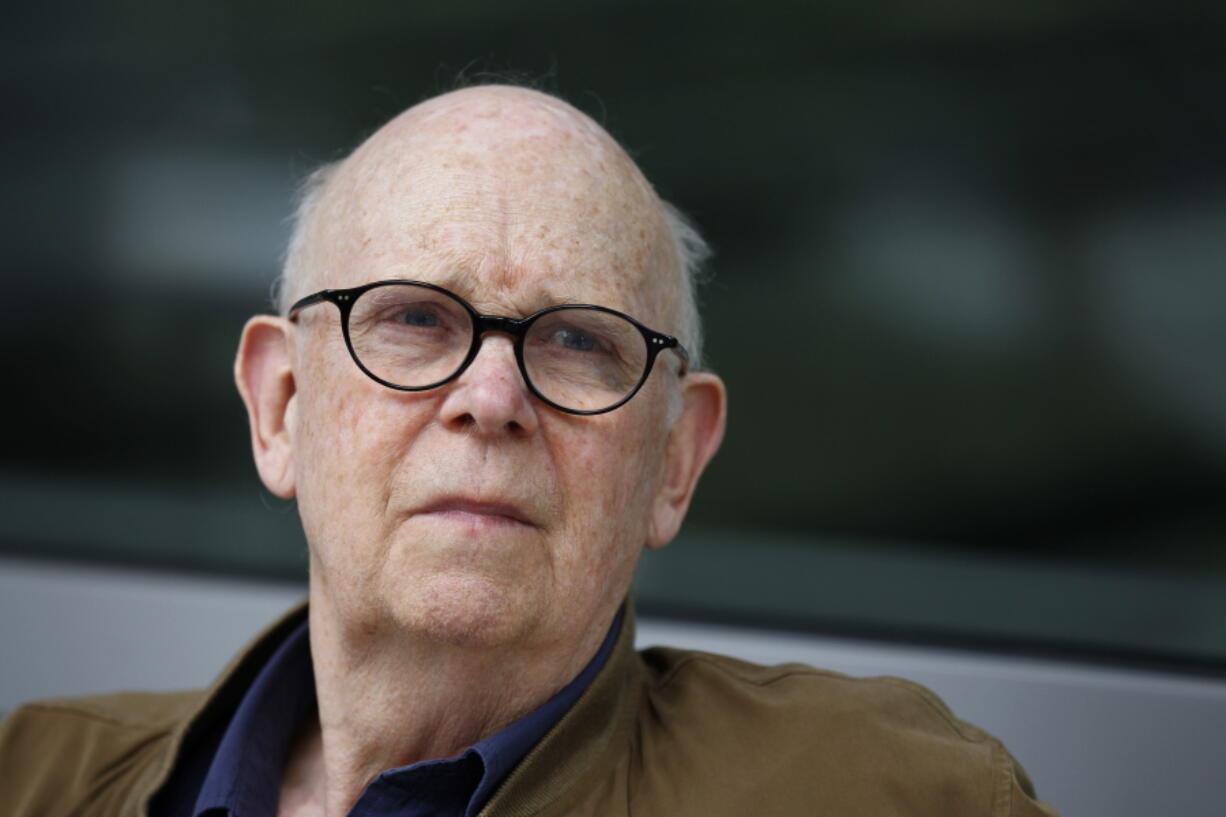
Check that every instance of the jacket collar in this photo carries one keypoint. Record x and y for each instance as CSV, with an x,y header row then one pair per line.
x,y
217,703
590,738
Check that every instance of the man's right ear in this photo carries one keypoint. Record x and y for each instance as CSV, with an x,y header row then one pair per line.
x,y
265,380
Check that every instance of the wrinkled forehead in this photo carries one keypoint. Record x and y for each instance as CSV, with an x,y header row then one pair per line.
x,y
505,195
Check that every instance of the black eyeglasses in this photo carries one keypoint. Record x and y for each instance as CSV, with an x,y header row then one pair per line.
x,y
414,336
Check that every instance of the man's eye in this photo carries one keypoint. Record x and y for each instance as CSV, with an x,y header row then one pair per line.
x,y
416,316
577,341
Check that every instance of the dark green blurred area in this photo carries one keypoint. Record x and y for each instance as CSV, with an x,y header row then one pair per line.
x,y
969,292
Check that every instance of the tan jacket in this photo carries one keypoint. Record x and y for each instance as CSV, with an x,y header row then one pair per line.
x,y
662,732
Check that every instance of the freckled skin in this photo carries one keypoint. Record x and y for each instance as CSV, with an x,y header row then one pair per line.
x,y
514,202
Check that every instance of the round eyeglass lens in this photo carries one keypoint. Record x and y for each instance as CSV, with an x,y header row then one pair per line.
x,y
409,335
584,359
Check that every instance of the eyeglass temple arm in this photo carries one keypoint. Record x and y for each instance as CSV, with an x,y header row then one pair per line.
x,y
683,354
308,301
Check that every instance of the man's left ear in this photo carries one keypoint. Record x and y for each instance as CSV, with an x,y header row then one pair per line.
x,y
693,441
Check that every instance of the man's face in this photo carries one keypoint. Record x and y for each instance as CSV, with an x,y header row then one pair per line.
x,y
473,512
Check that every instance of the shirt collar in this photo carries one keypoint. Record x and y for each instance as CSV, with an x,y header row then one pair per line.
x,y
244,776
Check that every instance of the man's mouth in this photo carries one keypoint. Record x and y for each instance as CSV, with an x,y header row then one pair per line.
x,y
476,511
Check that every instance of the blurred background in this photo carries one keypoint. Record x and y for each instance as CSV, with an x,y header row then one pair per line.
x,y
969,293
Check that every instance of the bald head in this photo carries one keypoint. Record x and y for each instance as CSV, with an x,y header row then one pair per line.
x,y
485,185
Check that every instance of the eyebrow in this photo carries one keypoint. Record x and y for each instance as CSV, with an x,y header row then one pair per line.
x,y
460,282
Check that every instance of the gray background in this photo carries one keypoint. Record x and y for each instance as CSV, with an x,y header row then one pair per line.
x,y
968,296
967,291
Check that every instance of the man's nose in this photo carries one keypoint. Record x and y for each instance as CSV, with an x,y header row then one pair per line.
x,y
490,397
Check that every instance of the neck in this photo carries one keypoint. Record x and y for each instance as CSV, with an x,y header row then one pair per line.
x,y
389,699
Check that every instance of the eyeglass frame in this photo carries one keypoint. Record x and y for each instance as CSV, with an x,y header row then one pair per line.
x,y
517,328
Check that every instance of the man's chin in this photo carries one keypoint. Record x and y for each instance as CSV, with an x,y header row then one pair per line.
x,y
464,610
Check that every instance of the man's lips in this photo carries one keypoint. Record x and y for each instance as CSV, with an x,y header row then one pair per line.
x,y
491,510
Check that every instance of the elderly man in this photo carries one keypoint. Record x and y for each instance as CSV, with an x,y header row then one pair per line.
x,y
484,391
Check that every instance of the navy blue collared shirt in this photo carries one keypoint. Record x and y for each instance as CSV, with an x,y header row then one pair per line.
x,y
244,777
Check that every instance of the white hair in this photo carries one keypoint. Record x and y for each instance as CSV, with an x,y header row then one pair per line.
x,y
294,265
690,252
